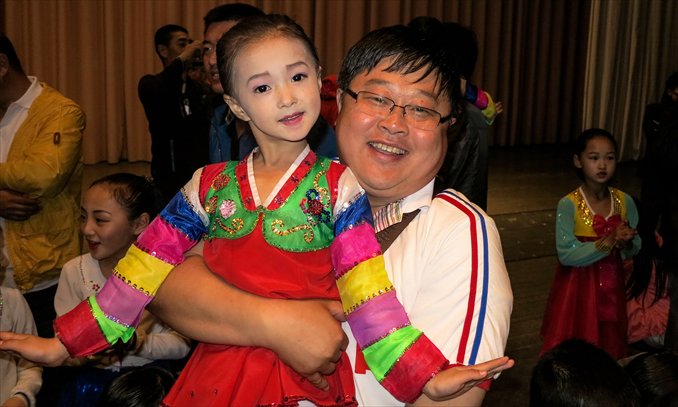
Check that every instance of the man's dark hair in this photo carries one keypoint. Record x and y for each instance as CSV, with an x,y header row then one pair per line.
x,y
163,35
461,40
230,12
7,48
576,373
409,50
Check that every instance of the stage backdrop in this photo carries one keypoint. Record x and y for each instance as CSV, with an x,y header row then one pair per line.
x,y
556,65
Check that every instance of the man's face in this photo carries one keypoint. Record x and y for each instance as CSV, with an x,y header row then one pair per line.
x,y
176,45
209,52
390,158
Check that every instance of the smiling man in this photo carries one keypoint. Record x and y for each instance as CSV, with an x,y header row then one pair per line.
x,y
398,101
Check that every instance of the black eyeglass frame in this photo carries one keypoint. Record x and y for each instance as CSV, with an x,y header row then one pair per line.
x,y
442,119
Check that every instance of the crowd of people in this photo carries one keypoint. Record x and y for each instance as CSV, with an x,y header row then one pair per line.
x,y
337,259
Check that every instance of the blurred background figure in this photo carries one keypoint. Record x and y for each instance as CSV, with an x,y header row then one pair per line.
x,y
177,109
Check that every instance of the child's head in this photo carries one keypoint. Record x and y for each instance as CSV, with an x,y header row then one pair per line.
x,y
595,156
115,210
655,374
145,386
576,373
270,73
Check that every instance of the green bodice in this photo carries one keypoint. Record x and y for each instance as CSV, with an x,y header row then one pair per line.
x,y
298,219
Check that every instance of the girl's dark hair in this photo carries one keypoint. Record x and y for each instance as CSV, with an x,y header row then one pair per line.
x,y
583,140
143,386
251,30
133,192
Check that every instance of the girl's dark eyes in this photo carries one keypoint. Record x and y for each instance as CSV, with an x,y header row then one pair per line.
x,y
299,76
261,89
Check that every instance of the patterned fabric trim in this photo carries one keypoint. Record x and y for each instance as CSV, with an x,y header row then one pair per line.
x,y
387,216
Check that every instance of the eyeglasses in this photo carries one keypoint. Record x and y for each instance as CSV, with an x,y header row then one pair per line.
x,y
419,117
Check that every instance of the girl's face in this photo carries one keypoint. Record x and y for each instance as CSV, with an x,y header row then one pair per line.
x,y
598,161
106,226
276,88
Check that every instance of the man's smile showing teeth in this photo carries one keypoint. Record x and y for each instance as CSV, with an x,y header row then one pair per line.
x,y
387,149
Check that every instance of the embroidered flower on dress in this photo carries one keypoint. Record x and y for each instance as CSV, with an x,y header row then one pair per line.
x,y
220,181
227,208
211,204
313,207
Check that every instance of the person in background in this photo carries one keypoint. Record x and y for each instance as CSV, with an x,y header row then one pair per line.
x,y
595,231
176,107
659,197
466,164
40,181
20,380
115,210
576,373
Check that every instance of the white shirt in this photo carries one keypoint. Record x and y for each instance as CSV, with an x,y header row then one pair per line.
x,y
14,117
81,277
431,265
17,374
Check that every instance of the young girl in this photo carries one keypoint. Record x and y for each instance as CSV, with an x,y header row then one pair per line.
x,y
115,210
594,232
267,224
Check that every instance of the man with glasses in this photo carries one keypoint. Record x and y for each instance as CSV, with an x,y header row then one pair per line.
x,y
398,103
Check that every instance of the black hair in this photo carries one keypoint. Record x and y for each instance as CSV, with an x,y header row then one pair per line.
x,y
576,373
408,50
144,386
7,48
163,35
133,192
461,40
583,140
654,374
230,12
252,30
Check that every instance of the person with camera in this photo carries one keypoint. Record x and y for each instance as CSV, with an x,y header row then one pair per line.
x,y
176,102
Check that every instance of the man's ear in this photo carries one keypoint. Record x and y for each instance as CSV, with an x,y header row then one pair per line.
x,y
235,107
4,65
140,223
163,51
340,93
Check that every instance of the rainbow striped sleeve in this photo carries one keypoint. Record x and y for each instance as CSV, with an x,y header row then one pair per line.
x,y
399,355
99,322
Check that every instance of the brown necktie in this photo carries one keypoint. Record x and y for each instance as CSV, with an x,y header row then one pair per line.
x,y
388,235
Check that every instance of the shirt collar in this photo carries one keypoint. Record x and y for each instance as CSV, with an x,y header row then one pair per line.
x,y
33,91
393,212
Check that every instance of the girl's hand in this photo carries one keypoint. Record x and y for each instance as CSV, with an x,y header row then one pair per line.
x,y
623,235
457,380
43,351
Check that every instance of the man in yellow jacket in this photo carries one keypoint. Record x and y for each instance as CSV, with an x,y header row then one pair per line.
x,y
40,182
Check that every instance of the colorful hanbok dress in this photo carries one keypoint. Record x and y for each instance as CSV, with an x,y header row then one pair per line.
x,y
284,247
587,298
